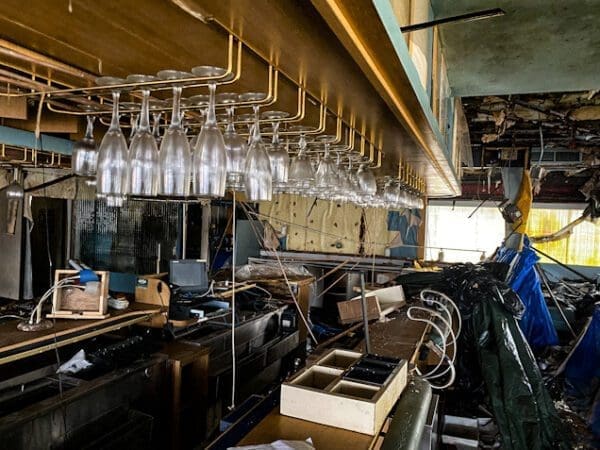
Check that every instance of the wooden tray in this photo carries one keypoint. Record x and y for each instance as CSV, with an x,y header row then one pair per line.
x,y
320,394
72,303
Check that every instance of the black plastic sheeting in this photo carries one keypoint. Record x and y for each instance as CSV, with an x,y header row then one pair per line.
x,y
495,364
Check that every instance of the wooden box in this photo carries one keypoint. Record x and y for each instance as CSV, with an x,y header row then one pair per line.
x,y
75,303
322,393
350,311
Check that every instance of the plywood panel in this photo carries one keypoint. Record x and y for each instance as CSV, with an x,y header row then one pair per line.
x,y
376,232
321,226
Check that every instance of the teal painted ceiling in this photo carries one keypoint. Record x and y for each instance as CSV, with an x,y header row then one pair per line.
x,y
538,46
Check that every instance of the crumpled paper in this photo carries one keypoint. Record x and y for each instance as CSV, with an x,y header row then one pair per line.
x,y
279,445
75,364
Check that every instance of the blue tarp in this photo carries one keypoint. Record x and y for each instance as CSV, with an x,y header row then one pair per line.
x,y
584,364
582,373
536,323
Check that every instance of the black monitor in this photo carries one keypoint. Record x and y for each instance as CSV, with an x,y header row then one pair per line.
x,y
188,274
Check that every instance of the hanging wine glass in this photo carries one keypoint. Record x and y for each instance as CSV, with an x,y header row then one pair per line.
x,y
112,175
143,154
235,145
366,181
201,102
133,125
301,175
210,157
156,127
85,152
257,173
342,184
326,178
174,155
390,192
278,154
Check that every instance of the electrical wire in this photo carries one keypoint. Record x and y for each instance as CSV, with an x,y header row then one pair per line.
x,y
450,381
354,241
453,343
38,142
60,284
233,261
434,374
245,208
446,298
265,291
441,334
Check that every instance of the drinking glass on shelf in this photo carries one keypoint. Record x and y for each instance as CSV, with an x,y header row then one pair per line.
x,y
174,155
143,152
257,172
210,156
112,175
85,152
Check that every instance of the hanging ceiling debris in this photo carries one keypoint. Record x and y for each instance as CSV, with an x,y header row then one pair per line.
x,y
557,134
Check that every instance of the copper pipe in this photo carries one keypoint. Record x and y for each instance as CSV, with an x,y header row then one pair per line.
x,y
24,54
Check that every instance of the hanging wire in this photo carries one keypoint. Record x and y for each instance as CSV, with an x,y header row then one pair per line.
x,y
246,209
233,363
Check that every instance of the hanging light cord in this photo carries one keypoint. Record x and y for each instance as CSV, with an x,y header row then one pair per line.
x,y
233,364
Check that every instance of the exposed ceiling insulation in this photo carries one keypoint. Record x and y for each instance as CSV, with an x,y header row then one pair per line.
x,y
570,121
509,131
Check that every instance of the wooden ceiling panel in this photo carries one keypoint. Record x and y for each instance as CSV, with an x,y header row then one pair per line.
x,y
120,37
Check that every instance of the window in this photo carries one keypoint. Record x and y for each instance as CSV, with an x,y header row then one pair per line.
x,y
582,247
462,239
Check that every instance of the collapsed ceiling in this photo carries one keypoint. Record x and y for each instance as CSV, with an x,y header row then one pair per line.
x,y
559,132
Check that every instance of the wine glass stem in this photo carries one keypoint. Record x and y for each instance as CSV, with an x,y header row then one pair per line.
x,y
302,144
89,131
275,126
256,130
114,122
176,119
145,113
211,117
230,119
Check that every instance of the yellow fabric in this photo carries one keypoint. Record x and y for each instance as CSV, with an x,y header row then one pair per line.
x,y
523,202
580,247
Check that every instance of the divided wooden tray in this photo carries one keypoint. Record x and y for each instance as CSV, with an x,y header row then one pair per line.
x,y
333,392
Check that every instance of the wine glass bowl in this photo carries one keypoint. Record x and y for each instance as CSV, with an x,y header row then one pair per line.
x,y
278,153
235,145
174,155
210,155
112,174
258,176
85,152
144,155
208,71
